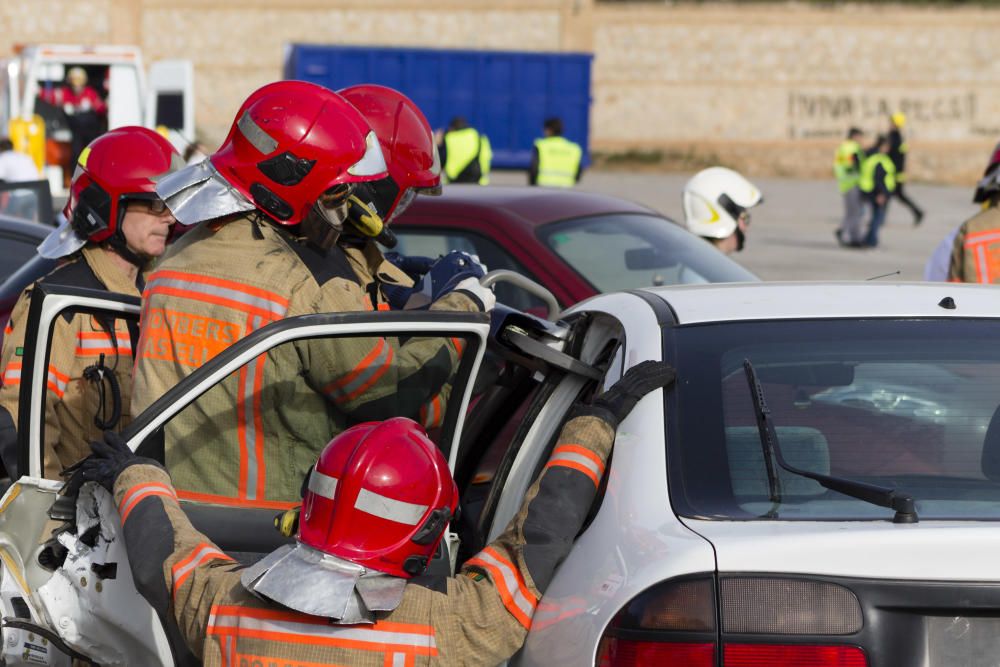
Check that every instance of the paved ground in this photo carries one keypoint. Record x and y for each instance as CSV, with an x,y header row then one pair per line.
x,y
792,231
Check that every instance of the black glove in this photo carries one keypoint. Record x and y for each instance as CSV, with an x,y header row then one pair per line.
x,y
109,458
618,401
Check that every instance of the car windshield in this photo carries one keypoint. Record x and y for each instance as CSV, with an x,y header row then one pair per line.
x,y
627,250
905,404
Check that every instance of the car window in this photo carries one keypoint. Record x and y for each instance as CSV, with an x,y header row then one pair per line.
x,y
23,203
251,438
436,243
626,251
910,405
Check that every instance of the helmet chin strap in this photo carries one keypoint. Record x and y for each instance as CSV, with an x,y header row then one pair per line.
x,y
741,239
119,245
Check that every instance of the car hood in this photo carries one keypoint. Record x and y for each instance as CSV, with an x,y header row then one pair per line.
x,y
931,550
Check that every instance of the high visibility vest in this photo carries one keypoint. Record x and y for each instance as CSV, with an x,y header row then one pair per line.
x,y
844,166
464,147
866,180
558,162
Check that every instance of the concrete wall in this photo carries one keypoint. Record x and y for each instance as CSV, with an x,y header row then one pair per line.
x,y
765,87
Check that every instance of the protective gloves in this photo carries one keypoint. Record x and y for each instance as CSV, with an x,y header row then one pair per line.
x,y
108,459
617,402
415,266
443,276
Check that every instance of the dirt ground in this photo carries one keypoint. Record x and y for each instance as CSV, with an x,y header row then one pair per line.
x,y
791,236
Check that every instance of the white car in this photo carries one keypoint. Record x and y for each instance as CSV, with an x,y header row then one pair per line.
x,y
820,487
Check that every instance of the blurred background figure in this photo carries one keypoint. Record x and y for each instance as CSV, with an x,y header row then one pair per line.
x,y
15,166
897,151
465,153
973,249
555,160
847,168
717,203
877,182
86,111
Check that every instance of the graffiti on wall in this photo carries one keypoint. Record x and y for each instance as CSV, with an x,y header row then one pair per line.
x,y
825,115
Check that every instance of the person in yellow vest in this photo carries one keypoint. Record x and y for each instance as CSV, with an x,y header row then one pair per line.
x,y
897,151
465,153
877,182
847,168
555,160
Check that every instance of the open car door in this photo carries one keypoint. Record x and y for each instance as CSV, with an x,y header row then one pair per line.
x,y
87,605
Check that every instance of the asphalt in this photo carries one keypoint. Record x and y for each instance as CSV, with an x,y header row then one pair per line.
x,y
791,234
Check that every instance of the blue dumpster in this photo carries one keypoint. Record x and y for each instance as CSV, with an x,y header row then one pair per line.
x,y
504,94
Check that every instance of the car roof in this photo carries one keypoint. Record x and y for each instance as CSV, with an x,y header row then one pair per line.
x,y
534,206
24,227
699,304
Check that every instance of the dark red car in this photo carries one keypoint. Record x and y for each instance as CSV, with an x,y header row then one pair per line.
x,y
577,244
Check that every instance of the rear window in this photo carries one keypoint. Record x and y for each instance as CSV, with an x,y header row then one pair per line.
x,y
912,405
623,251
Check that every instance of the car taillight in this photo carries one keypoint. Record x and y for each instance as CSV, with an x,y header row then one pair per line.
x,y
793,655
766,622
672,623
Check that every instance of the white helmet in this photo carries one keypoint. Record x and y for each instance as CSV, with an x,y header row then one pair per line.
x,y
714,198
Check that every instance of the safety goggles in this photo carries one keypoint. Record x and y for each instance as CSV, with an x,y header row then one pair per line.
x,y
152,203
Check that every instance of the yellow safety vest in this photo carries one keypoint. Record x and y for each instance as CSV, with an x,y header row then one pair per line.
x,y
844,167
866,180
462,147
558,161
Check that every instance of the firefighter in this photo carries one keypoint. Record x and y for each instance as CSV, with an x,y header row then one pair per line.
x,y
717,203
352,589
414,168
114,224
269,207
975,253
556,161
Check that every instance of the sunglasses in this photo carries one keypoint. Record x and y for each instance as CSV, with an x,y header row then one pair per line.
x,y
156,206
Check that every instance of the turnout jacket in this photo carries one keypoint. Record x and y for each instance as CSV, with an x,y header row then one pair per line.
x,y
251,438
373,270
78,341
479,617
975,255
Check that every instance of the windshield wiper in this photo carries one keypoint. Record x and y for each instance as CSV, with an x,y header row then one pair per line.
x,y
882,496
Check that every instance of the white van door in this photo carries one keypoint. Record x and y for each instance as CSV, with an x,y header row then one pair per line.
x,y
170,98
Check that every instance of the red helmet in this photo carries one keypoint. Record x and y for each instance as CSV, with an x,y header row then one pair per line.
x,y
407,143
122,164
379,496
291,142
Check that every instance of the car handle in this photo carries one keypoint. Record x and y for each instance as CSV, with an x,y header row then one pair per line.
x,y
527,284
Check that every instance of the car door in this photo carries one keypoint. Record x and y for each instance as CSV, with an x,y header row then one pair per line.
x,y
246,533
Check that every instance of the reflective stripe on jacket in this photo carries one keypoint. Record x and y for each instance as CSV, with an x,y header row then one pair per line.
x,y
77,342
867,179
846,164
975,255
558,161
479,617
250,440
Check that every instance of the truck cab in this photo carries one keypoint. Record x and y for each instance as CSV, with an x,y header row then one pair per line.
x,y
38,112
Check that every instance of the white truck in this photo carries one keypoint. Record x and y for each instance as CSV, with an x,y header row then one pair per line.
x,y
126,93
